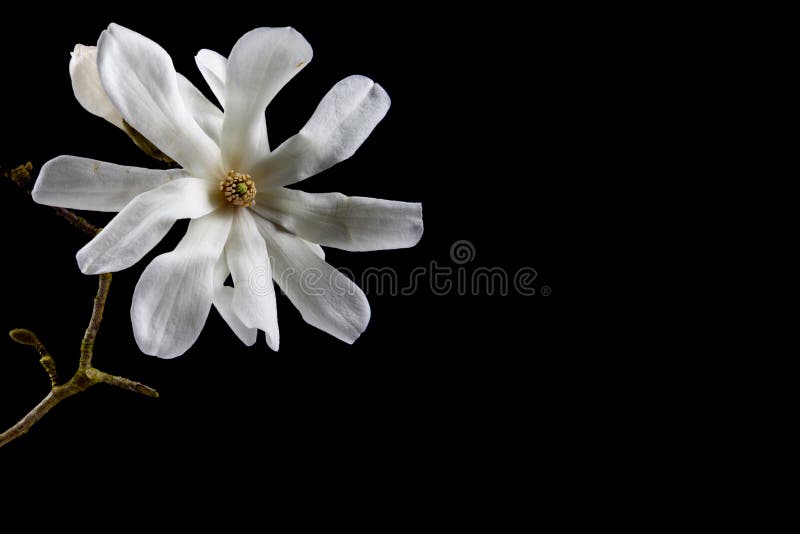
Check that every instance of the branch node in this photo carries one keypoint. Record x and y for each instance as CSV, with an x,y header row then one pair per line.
x,y
21,175
49,365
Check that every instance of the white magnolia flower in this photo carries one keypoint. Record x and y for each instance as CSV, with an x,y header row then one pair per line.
x,y
244,221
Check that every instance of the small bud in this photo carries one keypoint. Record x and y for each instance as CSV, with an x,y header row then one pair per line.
x,y
23,336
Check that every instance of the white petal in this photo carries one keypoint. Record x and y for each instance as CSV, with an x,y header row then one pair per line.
x,y
316,249
253,293
205,114
87,184
260,64
141,81
173,297
212,66
223,302
349,223
144,222
87,87
221,271
343,120
325,297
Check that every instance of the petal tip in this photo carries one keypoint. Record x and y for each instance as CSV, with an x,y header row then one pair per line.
x,y
86,268
86,264
80,50
419,230
419,225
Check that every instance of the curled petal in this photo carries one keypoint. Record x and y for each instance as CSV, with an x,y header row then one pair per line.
x,y
87,87
141,82
253,291
223,302
212,66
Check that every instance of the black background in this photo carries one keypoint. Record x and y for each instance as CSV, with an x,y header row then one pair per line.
x,y
484,130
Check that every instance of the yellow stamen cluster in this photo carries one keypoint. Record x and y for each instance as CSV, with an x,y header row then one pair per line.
x,y
238,189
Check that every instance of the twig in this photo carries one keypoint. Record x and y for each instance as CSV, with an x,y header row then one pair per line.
x,y
86,376
87,345
77,221
22,177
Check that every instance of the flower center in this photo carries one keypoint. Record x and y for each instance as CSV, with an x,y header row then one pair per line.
x,y
238,189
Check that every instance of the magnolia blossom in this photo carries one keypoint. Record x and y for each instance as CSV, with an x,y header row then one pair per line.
x,y
244,221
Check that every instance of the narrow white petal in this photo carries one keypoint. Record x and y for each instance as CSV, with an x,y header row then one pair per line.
x,y
140,80
173,296
205,114
221,271
260,64
87,184
212,66
144,222
87,87
325,297
253,293
223,302
341,123
349,223
316,249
